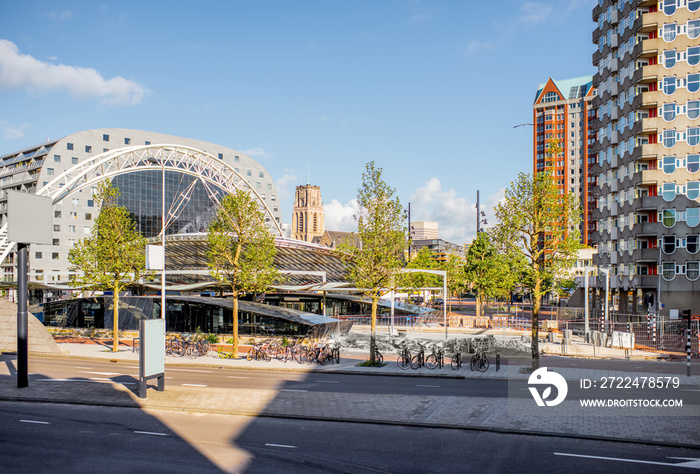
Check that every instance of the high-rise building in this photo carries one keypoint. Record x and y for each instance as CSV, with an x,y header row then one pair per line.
x,y
307,221
424,230
562,112
646,152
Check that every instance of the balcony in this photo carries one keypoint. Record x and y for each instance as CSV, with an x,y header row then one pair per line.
x,y
645,255
647,228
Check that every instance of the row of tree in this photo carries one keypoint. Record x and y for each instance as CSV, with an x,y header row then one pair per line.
x,y
535,238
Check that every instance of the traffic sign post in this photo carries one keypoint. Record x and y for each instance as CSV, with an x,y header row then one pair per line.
x,y
686,317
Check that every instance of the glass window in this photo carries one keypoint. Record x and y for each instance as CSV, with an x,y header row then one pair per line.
x,y
668,191
88,149
669,138
692,216
56,158
669,7
692,243
693,136
692,270
694,55
69,146
54,255
693,82
127,141
669,85
669,111
692,190
669,164
693,163
49,171
37,254
669,217
668,270
74,160
693,5
669,32
669,58
668,244
105,137
693,29
693,109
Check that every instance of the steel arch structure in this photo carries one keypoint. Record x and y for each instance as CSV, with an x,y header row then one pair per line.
x,y
209,170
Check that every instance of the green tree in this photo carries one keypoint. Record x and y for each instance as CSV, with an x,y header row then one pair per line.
x,y
241,250
114,254
380,227
424,259
486,270
538,224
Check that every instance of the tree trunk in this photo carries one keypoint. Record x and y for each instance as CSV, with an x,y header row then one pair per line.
x,y
235,326
478,305
115,323
534,345
373,328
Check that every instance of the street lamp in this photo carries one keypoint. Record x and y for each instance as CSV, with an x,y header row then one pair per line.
x,y
479,215
407,212
607,291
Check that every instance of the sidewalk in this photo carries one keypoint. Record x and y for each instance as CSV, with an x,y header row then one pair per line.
x,y
473,413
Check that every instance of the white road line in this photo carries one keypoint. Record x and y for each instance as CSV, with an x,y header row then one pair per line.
x,y
151,433
110,374
86,380
192,385
86,368
280,446
236,377
432,386
326,381
35,422
192,370
291,390
692,462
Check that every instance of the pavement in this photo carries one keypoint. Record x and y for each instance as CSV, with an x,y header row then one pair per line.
x,y
516,414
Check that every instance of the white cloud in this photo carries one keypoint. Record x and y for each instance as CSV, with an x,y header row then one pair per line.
x,y
477,46
259,152
338,216
422,17
65,15
534,13
21,71
11,132
455,215
285,185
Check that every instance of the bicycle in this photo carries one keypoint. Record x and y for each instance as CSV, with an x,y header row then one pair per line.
x,y
456,362
404,359
258,352
378,357
418,360
174,347
479,361
435,359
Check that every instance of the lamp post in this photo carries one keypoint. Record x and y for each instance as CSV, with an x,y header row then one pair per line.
x,y
479,215
607,291
407,212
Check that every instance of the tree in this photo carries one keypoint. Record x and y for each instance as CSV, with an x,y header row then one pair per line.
x,y
382,235
114,254
423,260
486,270
538,224
241,250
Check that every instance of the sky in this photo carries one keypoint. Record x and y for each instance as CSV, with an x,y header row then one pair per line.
x,y
313,90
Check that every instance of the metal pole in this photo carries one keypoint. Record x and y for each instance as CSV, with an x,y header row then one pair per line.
x,y
607,296
162,273
22,330
409,232
391,330
478,217
586,328
444,301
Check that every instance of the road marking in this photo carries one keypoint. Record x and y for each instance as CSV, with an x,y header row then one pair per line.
x,y
87,368
431,386
327,381
35,422
639,367
192,385
692,462
280,446
291,390
151,433
192,370
111,374
236,377
86,380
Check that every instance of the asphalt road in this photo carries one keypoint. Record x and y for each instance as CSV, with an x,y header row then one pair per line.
x,y
67,438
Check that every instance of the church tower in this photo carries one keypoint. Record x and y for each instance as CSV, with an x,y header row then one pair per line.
x,y
307,221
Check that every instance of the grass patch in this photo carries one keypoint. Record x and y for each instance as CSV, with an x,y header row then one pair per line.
x,y
369,363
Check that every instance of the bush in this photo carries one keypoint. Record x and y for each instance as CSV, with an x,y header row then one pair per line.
x,y
212,338
369,363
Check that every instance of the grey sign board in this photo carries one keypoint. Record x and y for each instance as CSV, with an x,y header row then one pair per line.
x,y
29,219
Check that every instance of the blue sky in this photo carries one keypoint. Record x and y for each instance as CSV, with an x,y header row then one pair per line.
x,y
429,90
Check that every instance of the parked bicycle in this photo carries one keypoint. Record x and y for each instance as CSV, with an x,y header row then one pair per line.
x,y
435,359
378,356
456,362
479,361
258,352
418,360
404,359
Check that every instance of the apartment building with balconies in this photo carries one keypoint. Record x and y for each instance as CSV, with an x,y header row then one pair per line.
x,y
646,157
